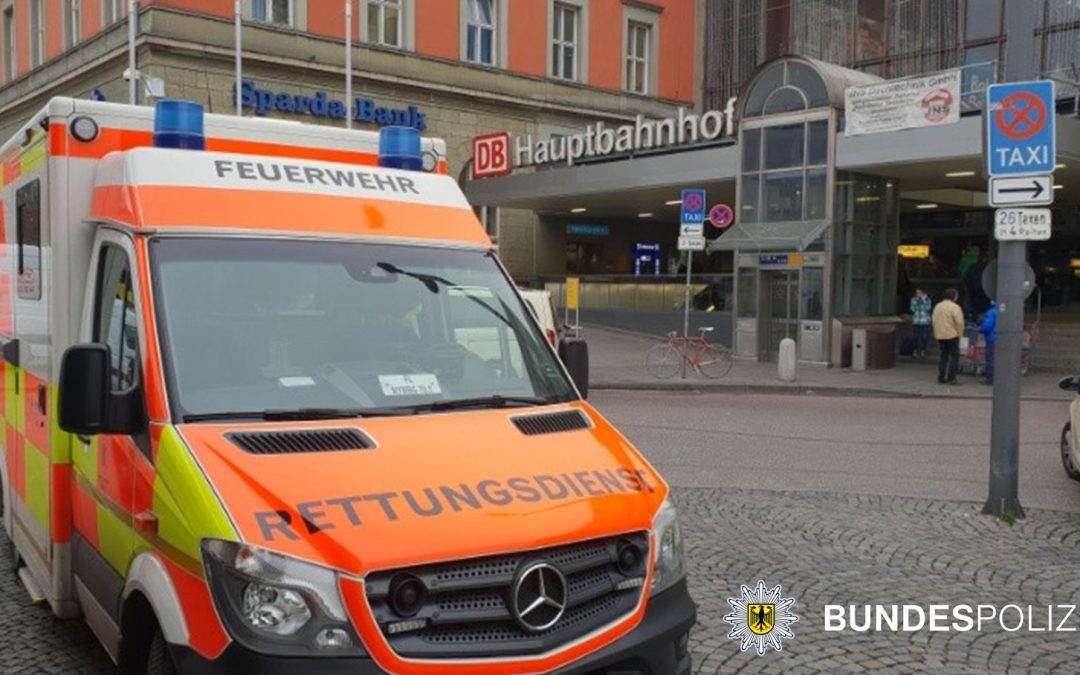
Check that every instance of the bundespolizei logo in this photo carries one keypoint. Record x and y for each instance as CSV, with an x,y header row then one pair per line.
x,y
761,618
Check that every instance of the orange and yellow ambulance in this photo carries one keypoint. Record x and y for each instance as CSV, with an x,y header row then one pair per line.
x,y
272,405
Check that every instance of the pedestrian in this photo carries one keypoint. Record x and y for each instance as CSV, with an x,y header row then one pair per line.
x,y
948,322
920,322
988,328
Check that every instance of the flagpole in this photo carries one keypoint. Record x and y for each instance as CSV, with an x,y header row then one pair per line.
x,y
348,65
133,8
239,61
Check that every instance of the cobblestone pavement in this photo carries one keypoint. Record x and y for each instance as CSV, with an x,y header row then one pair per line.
x,y
32,640
828,548
822,548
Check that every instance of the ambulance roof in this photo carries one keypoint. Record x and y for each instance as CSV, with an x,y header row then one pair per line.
x,y
188,191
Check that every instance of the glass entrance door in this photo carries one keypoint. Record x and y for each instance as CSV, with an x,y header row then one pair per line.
x,y
780,293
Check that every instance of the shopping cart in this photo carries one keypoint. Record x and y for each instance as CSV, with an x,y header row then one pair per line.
x,y
973,349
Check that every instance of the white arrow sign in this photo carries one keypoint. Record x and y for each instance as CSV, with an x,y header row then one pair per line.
x,y
1022,191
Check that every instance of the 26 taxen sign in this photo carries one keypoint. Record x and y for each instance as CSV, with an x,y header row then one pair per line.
x,y
497,154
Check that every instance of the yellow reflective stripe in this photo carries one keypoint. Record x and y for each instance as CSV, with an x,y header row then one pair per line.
x,y
32,157
180,481
37,483
116,540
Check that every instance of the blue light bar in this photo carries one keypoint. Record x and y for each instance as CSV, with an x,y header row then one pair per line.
x,y
399,148
179,124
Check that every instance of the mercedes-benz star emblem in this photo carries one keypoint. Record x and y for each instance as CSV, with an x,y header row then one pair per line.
x,y
539,597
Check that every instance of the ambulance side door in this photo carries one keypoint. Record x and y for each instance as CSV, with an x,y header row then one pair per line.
x,y
105,465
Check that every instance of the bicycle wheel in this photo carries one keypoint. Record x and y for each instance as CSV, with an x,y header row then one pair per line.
x,y
663,361
714,362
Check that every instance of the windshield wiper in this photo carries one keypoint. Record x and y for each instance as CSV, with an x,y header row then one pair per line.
x,y
495,401
299,414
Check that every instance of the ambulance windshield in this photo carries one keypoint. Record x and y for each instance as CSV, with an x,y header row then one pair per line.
x,y
293,325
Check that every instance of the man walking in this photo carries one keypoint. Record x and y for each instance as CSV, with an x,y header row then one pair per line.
x,y
948,322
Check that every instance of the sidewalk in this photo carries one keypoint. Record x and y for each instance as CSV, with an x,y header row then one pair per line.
x,y
617,361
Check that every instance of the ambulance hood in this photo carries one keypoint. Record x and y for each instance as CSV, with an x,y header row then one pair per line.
x,y
433,487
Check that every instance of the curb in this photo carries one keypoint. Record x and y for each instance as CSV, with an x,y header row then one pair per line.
x,y
797,390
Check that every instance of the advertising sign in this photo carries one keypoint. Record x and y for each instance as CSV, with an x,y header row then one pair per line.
x,y
910,103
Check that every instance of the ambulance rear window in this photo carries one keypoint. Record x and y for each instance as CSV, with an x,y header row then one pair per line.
x,y
28,235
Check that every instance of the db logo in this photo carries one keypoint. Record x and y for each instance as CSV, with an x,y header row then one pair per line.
x,y
491,155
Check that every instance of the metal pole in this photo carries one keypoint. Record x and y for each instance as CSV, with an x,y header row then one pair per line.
x,y
348,64
1005,423
133,17
686,305
238,30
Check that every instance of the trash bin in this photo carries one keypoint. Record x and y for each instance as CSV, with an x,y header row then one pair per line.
x,y
574,352
858,349
880,347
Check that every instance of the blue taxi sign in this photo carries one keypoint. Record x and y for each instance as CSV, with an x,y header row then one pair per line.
x,y
693,207
1020,128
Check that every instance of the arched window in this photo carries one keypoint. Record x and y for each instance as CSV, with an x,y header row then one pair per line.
x,y
785,86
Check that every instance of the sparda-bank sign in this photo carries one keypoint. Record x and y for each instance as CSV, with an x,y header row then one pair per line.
x,y
264,101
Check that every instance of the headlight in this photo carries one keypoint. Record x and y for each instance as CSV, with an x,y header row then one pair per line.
x,y
274,604
668,557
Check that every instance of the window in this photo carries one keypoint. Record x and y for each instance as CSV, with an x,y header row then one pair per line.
x,y
272,324
637,57
28,239
384,22
278,12
777,28
37,33
10,53
480,32
783,173
72,23
564,42
112,11
114,317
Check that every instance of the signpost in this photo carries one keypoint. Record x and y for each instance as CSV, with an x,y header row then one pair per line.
x,y
1020,155
693,216
721,216
1024,191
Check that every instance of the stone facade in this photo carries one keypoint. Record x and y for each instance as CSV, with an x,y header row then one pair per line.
x,y
194,56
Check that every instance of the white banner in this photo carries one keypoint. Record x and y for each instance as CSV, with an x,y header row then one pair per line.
x,y
902,104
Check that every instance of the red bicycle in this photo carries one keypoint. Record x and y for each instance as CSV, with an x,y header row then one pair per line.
x,y
709,360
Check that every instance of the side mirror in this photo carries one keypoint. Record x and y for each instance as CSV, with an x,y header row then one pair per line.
x,y
87,405
574,353
1070,383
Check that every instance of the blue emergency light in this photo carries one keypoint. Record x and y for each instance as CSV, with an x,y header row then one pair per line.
x,y
399,148
179,124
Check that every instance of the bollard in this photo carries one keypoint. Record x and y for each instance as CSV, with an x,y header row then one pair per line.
x,y
785,361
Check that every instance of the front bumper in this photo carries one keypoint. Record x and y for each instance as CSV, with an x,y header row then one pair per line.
x,y
656,647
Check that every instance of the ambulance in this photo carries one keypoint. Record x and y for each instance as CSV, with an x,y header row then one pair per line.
x,y
271,404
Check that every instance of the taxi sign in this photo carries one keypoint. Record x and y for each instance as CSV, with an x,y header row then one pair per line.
x,y
1020,128
1021,190
1022,224
691,243
693,207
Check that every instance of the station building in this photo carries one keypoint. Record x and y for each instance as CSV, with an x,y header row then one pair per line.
x,y
453,68
833,229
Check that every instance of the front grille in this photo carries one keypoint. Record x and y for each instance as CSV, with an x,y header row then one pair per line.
x,y
467,610
300,440
550,423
